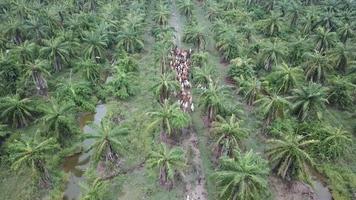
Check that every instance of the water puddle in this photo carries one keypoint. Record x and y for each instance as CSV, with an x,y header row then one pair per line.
x,y
76,164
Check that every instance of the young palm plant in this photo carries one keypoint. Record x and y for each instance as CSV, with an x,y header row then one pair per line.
x,y
168,162
229,134
170,118
213,100
31,154
243,177
58,119
289,156
16,111
37,72
309,101
106,145
165,86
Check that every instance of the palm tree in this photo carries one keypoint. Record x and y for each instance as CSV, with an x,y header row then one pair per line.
x,y
25,52
14,29
289,156
229,4
316,66
161,50
90,69
16,111
229,134
341,91
165,86
58,51
297,48
272,54
37,72
242,177
129,39
345,32
228,44
58,119
327,21
203,76
285,78
241,67
200,59
36,28
308,101
170,117
273,107
106,144
161,14
31,154
186,7
324,39
335,143
252,88
295,10
95,44
341,55
213,100
10,73
272,25
168,162
195,34
94,190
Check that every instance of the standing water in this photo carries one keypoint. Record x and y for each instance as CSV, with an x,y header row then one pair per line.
x,y
77,164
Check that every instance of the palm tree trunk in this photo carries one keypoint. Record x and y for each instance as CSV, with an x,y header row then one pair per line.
x,y
41,83
45,181
57,63
162,176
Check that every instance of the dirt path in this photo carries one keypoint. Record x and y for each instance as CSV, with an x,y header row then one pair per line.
x,y
195,178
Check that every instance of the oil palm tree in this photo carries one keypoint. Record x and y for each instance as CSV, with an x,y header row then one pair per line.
x,y
229,134
242,177
203,76
289,156
93,191
316,66
195,34
272,54
168,162
341,55
273,107
95,44
165,86
272,25
186,7
37,72
161,50
90,69
31,154
16,111
341,91
324,39
106,142
309,101
58,51
335,143
213,100
129,39
241,66
252,88
169,117
161,14
345,32
285,78
25,51
58,119
200,59
228,44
